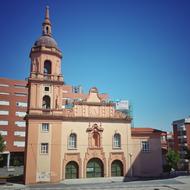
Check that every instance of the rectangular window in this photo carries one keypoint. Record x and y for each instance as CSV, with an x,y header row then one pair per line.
x,y
4,85
20,86
3,133
20,94
45,127
46,88
20,114
2,122
4,93
20,123
4,103
44,148
21,104
145,146
20,133
3,112
19,143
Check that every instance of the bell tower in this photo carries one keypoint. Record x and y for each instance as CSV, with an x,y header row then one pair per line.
x,y
44,107
45,79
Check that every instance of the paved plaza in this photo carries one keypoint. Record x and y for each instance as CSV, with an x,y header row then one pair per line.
x,y
178,183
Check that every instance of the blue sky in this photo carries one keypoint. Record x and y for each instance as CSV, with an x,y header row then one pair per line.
x,y
131,49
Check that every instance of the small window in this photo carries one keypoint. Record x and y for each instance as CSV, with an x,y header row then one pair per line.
x,y
46,88
4,103
4,85
19,143
19,86
20,114
21,104
47,67
3,133
20,123
2,122
72,141
3,112
117,141
20,94
44,148
45,127
145,146
46,102
4,93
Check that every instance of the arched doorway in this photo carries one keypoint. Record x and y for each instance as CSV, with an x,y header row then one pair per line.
x,y
72,170
94,168
116,168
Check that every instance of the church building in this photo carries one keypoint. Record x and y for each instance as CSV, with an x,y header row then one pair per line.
x,y
88,139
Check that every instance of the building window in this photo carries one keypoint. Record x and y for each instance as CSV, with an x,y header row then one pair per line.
x,y
3,112
4,103
145,146
4,93
46,102
117,141
20,133
72,141
21,104
45,127
2,122
46,88
47,67
19,143
4,85
3,133
20,94
44,148
19,86
20,114
20,123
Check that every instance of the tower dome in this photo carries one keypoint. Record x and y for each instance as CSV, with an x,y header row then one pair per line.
x,y
46,39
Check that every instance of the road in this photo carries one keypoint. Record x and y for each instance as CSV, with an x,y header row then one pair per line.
x,y
178,183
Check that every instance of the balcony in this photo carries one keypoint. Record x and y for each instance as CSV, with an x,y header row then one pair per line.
x,y
47,77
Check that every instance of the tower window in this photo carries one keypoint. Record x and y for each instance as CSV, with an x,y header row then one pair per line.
x,y
47,30
46,102
47,67
46,88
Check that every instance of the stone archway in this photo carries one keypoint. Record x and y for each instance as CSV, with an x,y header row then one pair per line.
x,y
72,170
116,168
94,168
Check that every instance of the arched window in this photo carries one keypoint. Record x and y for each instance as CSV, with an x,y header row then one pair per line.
x,y
72,141
117,141
46,102
96,139
47,67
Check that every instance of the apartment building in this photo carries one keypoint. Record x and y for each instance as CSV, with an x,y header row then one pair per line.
x,y
13,106
181,130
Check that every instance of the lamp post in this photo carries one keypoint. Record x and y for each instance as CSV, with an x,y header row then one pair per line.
x,y
130,164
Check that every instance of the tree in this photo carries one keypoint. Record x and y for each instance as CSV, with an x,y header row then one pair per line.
x,y
2,146
172,159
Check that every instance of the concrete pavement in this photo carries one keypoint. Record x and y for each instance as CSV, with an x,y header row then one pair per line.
x,y
178,183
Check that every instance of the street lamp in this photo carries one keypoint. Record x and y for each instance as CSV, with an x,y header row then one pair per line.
x,y
130,164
